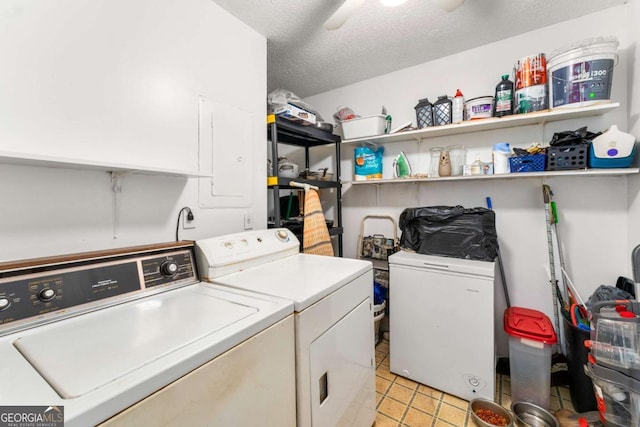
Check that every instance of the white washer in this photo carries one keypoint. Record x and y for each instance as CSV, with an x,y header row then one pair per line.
x,y
132,337
333,305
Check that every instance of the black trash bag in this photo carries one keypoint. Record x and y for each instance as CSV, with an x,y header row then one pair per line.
x,y
573,137
451,231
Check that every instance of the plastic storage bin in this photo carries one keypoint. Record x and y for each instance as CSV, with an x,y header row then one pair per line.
x,y
566,157
361,127
531,337
618,396
378,315
531,163
615,338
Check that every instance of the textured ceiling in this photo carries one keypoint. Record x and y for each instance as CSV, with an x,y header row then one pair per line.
x,y
307,59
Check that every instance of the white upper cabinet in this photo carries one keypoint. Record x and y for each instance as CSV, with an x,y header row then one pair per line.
x,y
115,85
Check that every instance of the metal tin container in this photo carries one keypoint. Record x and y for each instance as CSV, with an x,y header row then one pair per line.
x,y
492,406
529,415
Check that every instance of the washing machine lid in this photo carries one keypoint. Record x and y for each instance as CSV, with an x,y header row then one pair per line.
x,y
442,263
302,278
102,348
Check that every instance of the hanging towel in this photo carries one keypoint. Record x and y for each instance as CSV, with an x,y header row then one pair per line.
x,y
316,235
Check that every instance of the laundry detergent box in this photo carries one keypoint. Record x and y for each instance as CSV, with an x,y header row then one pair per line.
x,y
296,114
368,162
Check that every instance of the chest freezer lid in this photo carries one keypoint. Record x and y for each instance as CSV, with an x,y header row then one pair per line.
x,y
443,264
302,278
84,353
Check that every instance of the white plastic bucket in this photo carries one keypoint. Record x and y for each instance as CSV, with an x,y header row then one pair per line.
x,y
581,74
479,108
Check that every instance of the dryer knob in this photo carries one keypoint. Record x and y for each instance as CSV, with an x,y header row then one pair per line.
x,y
4,303
169,268
282,234
47,294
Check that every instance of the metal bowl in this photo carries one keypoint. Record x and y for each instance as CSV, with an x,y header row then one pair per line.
x,y
488,404
530,415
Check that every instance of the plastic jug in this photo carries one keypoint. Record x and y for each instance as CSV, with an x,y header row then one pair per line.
x,y
504,97
501,154
457,107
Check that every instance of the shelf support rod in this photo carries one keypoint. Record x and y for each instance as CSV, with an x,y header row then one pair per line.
x,y
541,126
116,189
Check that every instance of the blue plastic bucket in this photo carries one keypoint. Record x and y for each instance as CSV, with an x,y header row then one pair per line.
x,y
581,74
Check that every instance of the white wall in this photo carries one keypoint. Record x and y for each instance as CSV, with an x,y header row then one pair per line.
x,y
595,221
633,88
119,81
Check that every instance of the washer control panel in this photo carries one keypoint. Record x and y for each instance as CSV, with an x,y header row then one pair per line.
x,y
36,291
167,269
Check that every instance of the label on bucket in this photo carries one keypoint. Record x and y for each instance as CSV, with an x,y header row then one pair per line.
x,y
581,82
532,343
530,99
531,71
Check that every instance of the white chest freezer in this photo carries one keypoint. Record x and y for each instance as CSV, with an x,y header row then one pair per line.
x,y
441,321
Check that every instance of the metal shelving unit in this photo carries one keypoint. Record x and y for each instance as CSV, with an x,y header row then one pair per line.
x,y
283,131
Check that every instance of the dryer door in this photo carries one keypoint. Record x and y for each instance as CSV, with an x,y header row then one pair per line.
x,y
342,386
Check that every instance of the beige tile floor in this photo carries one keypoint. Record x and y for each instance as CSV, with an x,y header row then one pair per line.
x,y
402,402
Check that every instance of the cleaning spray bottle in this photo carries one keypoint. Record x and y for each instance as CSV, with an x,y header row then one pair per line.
x,y
457,109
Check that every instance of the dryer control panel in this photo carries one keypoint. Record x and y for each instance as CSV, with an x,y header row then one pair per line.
x,y
222,255
49,289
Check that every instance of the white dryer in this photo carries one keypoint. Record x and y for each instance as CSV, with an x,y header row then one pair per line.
x,y
333,311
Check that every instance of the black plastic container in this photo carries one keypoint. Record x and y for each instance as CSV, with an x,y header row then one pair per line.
x,y
442,111
504,97
580,385
424,113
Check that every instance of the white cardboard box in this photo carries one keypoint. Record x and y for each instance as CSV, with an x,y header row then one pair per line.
x,y
361,127
296,114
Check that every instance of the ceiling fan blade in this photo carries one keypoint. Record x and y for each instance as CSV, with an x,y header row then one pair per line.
x,y
341,15
448,5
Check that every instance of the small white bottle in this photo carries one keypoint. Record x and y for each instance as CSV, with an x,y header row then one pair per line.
x,y
501,154
457,107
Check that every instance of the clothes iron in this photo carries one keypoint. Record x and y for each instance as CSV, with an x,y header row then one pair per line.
x,y
401,166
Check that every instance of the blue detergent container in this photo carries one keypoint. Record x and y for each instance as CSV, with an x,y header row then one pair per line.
x,y
612,149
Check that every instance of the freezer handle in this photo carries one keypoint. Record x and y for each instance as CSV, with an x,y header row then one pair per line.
x,y
438,266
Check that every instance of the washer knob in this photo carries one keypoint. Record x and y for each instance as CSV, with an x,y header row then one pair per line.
x,y
46,294
4,303
168,268
282,234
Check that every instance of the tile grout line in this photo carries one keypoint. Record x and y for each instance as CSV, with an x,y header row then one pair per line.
x,y
437,412
408,405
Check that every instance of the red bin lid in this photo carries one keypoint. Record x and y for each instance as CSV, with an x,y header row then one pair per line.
x,y
531,324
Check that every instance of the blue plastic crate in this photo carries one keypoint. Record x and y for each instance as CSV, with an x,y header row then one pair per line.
x,y
531,163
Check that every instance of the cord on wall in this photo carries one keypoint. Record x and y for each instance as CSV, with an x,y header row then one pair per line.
x,y
190,217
